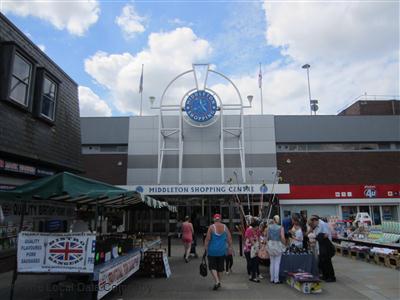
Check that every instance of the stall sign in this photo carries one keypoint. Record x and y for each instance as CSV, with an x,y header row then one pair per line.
x,y
110,278
37,208
40,252
166,265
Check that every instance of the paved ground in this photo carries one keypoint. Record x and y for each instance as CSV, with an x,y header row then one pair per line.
x,y
355,280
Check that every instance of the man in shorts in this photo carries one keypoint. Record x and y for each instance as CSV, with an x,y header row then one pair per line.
x,y
218,236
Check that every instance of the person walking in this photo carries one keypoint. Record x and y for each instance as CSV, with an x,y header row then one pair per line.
x,y
217,239
187,237
276,238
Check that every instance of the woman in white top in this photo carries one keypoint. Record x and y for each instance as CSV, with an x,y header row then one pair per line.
x,y
297,233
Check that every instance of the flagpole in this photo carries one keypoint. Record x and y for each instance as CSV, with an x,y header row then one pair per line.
x,y
261,94
141,102
141,92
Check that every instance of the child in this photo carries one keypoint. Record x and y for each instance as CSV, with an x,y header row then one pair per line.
x,y
228,260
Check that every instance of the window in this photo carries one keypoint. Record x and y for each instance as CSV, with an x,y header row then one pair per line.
x,y
335,147
48,98
20,80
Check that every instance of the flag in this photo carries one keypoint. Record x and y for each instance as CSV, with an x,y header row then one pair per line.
x,y
141,82
260,78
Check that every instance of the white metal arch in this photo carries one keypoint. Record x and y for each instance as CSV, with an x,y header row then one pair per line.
x,y
165,132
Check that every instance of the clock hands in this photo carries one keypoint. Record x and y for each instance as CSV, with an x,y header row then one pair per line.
x,y
202,105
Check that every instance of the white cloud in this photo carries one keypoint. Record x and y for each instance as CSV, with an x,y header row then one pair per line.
x,y
179,22
345,62
163,59
130,22
75,16
91,105
352,48
42,47
331,31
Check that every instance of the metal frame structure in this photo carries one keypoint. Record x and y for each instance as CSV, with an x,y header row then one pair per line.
x,y
166,132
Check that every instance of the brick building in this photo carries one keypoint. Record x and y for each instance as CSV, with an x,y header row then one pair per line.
x,y
372,107
39,112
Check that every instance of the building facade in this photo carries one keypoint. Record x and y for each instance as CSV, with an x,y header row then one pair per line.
x,y
40,133
334,165
340,165
39,112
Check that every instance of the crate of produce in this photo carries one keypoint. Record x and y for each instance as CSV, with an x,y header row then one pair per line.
x,y
392,261
153,263
380,259
345,252
353,253
370,257
338,249
304,282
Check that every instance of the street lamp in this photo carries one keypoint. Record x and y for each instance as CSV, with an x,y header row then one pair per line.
x,y
152,99
307,67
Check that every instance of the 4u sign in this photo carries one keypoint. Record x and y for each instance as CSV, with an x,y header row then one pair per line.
x,y
370,191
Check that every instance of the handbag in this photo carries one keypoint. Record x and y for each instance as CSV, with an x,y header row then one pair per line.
x,y
262,253
275,248
203,266
254,250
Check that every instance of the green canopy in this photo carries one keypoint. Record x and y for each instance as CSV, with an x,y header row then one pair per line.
x,y
71,188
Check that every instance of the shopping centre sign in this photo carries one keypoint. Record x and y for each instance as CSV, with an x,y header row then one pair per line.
x,y
214,189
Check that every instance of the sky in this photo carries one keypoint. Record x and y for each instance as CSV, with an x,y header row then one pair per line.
x,y
352,47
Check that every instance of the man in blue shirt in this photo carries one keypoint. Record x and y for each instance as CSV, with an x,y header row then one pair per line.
x,y
324,237
287,224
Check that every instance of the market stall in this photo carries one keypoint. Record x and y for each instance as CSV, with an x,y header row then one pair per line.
x,y
105,258
378,244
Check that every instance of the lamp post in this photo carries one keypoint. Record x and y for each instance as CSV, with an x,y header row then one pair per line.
x,y
307,67
152,99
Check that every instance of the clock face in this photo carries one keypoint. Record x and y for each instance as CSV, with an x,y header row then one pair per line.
x,y
201,106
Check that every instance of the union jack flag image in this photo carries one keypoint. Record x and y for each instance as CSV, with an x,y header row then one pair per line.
x,y
66,251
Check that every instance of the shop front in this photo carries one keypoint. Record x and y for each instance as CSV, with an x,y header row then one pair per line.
x,y
201,202
380,201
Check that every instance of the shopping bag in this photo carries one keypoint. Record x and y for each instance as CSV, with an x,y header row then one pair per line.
x,y
203,266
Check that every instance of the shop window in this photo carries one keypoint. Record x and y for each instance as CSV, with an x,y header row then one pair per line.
x,y
349,212
21,78
389,213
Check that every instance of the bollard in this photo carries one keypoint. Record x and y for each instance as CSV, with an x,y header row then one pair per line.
x,y
240,245
169,245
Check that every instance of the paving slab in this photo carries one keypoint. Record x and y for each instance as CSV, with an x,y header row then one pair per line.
x,y
355,280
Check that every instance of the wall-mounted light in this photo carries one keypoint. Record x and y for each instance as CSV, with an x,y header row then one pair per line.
x,y
250,98
288,161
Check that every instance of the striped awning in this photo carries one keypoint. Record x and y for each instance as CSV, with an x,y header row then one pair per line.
x,y
70,188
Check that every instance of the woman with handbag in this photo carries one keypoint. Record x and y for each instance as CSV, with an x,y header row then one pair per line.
x,y
251,250
275,238
218,237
